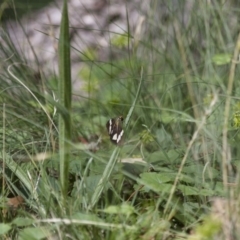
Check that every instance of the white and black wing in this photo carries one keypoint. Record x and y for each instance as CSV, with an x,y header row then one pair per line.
x,y
115,131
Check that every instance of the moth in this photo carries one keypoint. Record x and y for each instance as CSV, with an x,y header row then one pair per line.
x,y
115,131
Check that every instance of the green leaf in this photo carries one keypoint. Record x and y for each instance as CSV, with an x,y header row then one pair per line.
x,y
163,137
188,190
221,59
156,178
156,182
22,222
4,228
120,41
34,233
161,157
193,191
86,217
199,171
219,189
191,207
124,209
206,192
158,156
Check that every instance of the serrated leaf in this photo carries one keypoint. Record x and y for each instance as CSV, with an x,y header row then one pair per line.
x,y
4,228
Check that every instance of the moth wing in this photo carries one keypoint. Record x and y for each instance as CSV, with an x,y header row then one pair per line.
x,y
117,133
110,125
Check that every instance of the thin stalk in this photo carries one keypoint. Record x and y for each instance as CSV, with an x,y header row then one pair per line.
x,y
186,70
194,137
226,114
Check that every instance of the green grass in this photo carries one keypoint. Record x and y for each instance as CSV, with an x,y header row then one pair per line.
x,y
176,87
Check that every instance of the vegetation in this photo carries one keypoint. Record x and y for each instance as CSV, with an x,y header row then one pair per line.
x,y
177,89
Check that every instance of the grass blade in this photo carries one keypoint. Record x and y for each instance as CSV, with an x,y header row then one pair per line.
x,y
65,91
